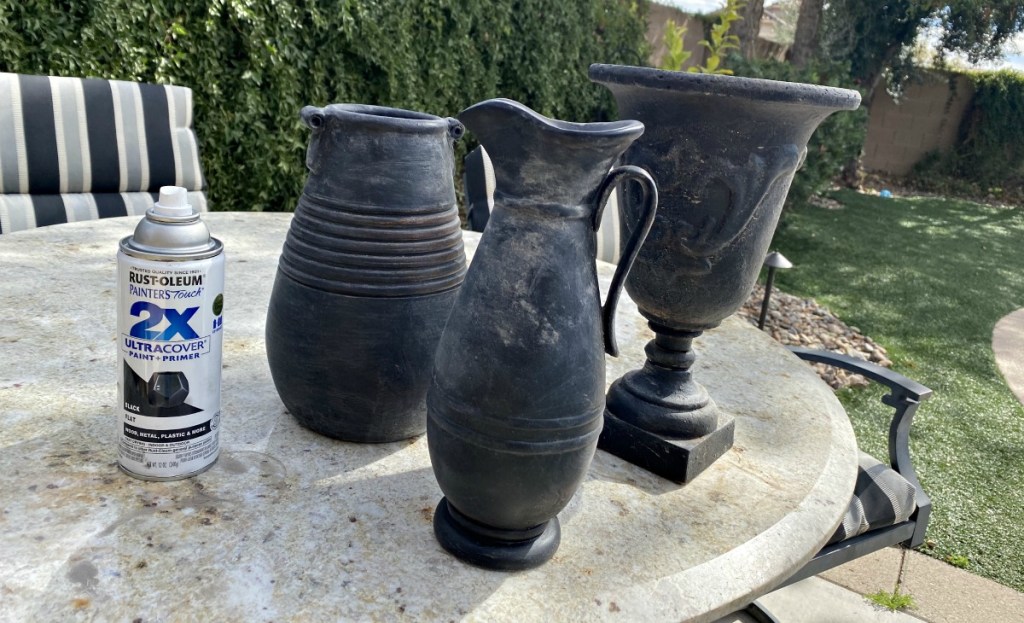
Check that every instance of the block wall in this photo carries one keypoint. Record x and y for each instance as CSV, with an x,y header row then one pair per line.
x,y
927,118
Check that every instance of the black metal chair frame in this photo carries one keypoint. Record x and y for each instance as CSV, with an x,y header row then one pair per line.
x,y
905,396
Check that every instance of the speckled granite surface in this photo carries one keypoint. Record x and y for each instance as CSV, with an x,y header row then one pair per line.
x,y
292,526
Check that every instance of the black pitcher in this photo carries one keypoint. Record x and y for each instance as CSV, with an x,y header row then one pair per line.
x,y
369,270
515,406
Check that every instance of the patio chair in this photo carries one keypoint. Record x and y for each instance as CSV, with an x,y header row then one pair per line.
x,y
74,149
888,507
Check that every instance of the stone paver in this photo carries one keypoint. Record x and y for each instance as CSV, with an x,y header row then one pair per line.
x,y
945,594
942,593
877,571
815,600
1008,346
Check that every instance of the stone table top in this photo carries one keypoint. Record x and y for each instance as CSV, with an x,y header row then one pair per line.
x,y
292,526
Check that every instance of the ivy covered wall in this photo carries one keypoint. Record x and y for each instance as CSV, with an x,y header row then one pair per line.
x,y
252,64
987,157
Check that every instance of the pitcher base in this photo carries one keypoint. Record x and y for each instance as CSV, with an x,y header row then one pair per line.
x,y
489,551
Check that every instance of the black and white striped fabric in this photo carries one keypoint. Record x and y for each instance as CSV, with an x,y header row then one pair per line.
x,y
881,497
75,149
478,188
608,234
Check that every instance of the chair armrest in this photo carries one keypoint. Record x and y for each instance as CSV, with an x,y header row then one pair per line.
x,y
905,397
893,380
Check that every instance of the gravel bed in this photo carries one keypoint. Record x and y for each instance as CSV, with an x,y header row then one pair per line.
x,y
795,321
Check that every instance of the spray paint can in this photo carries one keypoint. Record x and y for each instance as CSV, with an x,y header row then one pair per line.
x,y
170,276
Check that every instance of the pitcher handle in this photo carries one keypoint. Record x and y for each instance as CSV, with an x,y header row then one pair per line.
x,y
629,252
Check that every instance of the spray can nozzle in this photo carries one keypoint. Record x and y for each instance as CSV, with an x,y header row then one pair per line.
x,y
173,202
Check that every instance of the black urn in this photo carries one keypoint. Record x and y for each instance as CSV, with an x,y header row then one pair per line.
x,y
723,151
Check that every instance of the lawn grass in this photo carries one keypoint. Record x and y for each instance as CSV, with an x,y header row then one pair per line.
x,y
928,279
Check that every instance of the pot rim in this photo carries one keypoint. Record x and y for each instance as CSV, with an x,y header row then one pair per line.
x,y
388,117
726,86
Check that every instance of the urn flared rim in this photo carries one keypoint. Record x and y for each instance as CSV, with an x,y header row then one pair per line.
x,y
726,86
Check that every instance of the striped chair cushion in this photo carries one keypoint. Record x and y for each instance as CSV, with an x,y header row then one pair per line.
x,y
881,497
62,139
478,188
18,212
608,241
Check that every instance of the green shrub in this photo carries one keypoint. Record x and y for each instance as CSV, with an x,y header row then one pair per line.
x,y
718,43
676,55
836,142
988,159
254,63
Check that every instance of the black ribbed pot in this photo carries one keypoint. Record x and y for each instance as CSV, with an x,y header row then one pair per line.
x,y
514,409
368,273
723,151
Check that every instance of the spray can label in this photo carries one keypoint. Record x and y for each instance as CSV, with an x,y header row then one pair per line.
x,y
170,334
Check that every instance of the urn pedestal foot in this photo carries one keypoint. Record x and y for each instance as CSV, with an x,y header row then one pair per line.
x,y
494,548
659,418
678,460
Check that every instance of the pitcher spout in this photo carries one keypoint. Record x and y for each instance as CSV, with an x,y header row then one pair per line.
x,y
543,160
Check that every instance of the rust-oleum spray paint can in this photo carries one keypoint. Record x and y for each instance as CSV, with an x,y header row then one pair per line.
x,y
170,299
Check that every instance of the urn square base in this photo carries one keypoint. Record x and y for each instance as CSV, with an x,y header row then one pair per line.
x,y
678,460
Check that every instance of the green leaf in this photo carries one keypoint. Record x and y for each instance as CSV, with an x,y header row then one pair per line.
x,y
252,64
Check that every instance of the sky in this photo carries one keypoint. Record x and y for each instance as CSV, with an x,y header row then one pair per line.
x,y
1014,55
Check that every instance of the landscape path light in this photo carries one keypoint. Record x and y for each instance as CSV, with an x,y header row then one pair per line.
x,y
773,261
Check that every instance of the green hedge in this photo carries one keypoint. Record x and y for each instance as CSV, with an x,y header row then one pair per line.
x,y
254,63
988,159
837,141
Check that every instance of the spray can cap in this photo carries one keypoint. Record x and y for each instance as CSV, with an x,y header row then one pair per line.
x,y
173,202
